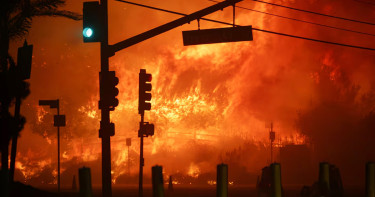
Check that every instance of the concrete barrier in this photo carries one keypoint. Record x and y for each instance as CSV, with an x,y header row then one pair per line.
x,y
222,180
157,181
276,188
324,176
370,179
85,187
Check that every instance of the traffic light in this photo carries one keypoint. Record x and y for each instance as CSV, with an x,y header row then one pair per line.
x,y
109,91
110,128
146,129
24,59
144,88
92,21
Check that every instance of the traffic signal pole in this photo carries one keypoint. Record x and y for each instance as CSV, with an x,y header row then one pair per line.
x,y
105,119
171,25
14,139
106,51
141,163
58,151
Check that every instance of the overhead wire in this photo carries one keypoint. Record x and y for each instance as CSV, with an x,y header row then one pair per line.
x,y
366,2
256,29
303,21
316,13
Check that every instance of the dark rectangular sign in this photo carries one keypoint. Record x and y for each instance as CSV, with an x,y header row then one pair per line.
x,y
51,103
220,35
59,121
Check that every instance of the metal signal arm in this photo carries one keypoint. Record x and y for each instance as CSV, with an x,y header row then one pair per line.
x,y
171,25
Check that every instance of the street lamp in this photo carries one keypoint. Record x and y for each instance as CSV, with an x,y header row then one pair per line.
x,y
58,121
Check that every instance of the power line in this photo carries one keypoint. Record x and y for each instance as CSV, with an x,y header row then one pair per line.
x,y
366,2
256,29
299,20
317,13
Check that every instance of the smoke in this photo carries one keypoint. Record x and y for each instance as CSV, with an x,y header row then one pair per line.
x,y
210,103
341,124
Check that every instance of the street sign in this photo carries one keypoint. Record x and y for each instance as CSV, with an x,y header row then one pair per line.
x,y
220,35
59,121
51,103
128,141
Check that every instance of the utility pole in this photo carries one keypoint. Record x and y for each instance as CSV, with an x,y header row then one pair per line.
x,y
24,59
145,129
272,139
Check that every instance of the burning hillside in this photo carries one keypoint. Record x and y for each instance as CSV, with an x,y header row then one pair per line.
x,y
210,103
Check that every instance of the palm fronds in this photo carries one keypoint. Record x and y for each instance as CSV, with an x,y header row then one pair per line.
x,y
23,11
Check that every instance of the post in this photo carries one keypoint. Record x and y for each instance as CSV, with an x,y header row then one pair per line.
x,y
170,185
324,176
128,144
271,152
272,139
105,119
141,163
128,161
222,180
14,140
276,187
58,150
85,188
59,120
74,183
157,181
370,179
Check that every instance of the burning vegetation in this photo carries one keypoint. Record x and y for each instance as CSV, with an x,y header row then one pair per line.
x,y
210,103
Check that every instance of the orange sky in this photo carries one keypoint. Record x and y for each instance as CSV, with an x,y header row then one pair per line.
x,y
211,98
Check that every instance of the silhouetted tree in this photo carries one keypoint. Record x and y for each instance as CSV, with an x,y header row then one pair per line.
x,y
15,21
340,126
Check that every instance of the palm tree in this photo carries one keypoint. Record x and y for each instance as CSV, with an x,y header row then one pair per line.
x,y
15,21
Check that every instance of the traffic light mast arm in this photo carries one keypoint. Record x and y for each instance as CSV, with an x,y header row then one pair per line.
x,y
171,25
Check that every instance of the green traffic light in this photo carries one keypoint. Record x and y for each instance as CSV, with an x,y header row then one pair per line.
x,y
87,32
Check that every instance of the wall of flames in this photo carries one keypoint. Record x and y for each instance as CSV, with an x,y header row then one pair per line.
x,y
207,100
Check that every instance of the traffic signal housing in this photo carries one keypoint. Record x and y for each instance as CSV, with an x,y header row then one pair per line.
x,y
108,89
146,129
144,91
92,21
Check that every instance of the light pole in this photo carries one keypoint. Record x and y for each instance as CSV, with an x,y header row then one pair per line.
x,y
58,121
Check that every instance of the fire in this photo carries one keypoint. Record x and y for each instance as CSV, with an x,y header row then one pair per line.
x,y
193,170
41,112
208,101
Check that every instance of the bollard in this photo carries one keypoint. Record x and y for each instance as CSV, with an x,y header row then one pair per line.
x,y
170,185
222,180
157,181
370,179
324,176
276,188
4,183
85,188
